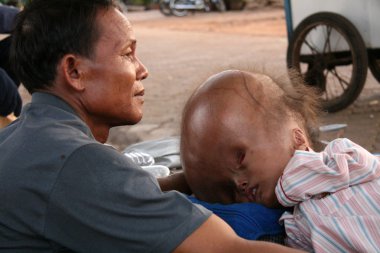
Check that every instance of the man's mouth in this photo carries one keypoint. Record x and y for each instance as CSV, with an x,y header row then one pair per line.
x,y
140,93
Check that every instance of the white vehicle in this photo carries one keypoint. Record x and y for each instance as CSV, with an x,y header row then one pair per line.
x,y
181,8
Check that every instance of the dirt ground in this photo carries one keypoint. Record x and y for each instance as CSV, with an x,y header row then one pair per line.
x,y
180,53
266,21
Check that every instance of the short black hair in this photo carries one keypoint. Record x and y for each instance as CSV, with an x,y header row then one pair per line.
x,y
46,30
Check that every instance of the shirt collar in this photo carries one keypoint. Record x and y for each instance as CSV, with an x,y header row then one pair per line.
x,y
48,98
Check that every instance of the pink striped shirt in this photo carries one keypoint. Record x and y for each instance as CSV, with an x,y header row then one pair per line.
x,y
336,199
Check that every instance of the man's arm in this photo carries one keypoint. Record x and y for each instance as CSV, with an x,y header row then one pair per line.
x,y
10,99
214,235
176,182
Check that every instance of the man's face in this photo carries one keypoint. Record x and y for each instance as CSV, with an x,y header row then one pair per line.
x,y
113,89
231,156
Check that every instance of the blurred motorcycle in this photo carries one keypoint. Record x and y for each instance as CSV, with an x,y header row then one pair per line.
x,y
181,8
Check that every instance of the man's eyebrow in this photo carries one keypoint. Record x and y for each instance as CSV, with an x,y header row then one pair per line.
x,y
130,42
125,44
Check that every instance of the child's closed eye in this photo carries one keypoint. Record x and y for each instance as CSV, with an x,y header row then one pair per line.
x,y
240,156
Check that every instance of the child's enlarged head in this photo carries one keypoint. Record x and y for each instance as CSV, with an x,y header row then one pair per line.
x,y
239,130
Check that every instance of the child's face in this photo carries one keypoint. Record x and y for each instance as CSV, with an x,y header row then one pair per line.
x,y
261,163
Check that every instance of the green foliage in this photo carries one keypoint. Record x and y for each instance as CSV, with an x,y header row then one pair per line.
x,y
139,2
136,2
17,3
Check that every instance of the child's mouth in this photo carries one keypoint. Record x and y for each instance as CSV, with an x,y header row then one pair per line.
x,y
251,194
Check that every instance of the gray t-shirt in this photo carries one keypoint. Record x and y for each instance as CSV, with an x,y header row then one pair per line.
x,y
62,190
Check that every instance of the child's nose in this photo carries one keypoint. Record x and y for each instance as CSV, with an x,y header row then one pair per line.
x,y
242,186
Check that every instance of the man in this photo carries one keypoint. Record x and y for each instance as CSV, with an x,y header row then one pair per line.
x,y
61,189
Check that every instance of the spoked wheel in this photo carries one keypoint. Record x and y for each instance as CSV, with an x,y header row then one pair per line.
x,y
374,63
180,12
330,54
165,7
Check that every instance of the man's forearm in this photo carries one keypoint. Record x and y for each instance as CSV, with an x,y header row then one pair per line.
x,y
214,235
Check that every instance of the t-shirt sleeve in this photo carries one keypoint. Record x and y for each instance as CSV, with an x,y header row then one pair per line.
x,y
102,202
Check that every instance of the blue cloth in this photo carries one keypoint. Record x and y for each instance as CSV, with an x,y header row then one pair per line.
x,y
249,220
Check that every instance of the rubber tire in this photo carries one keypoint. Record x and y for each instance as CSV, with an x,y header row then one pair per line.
x,y
220,5
179,13
374,65
164,8
236,5
358,53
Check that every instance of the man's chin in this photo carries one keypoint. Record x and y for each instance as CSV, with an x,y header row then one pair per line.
x,y
128,121
134,120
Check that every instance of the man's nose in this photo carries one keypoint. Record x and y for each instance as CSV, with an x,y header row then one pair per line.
x,y
142,71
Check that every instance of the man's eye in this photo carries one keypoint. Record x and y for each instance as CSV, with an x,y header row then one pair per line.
x,y
129,56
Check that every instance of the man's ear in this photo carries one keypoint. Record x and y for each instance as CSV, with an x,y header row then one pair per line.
x,y
71,69
299,139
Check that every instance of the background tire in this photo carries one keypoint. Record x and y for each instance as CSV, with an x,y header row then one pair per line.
x,y
220,5
235,4
164,6
374,63
339,75
180,13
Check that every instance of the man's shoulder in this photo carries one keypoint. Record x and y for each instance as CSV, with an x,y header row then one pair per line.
x,y
46,134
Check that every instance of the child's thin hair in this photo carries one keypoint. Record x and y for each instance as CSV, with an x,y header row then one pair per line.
x,y
302,101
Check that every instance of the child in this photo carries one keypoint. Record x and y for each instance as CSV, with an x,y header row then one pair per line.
x,y
248,138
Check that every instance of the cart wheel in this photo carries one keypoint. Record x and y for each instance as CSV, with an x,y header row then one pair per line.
x,y
374,63
330,54
165,7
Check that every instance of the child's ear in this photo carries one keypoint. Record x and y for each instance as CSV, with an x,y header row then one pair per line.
x,y
299,139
